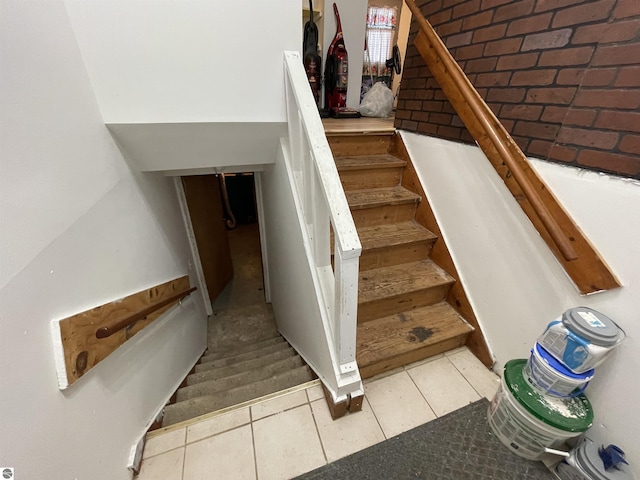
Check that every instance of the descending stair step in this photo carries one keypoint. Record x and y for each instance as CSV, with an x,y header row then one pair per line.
x,y
194,407
396,340
237,350
394,243
223,362
378,206
243,378
370,171
388,290
208,371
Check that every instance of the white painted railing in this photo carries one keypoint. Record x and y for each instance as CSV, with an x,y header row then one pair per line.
x,y
325,209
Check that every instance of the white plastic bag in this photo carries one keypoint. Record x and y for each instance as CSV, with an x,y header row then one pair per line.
x,y
377,102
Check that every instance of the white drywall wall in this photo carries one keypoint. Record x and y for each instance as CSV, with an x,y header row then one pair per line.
x,y
353,16
187,61
77,229
171,147
515,284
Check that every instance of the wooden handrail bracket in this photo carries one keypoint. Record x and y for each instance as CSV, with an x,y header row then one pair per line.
x,y
572,249
81,341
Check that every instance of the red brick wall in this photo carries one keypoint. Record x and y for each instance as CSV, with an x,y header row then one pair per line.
x,y
563,76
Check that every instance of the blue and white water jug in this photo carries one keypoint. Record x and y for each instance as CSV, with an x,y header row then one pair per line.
x,y
581,339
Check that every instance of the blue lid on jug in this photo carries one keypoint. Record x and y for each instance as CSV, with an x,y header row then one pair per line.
x,y
592,326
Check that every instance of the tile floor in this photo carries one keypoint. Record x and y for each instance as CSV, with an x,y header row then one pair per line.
x,y
293,433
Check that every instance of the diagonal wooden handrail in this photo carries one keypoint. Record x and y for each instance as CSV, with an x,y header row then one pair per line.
x,y
509,151
117,325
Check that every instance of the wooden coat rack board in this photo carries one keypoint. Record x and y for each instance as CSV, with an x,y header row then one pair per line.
x,y
81,341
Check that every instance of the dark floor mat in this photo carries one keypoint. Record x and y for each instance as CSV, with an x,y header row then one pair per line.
x,y
458,446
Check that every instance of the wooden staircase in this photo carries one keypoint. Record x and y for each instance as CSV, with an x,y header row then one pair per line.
x,y
402,313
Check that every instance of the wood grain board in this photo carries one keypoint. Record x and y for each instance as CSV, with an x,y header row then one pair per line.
x,y
589,272
382,236
373,178
381,205
371,171
78,350
368,162
366,217
378,197
386,245
362,125
440,254
390,290
372,144
400,339
207,218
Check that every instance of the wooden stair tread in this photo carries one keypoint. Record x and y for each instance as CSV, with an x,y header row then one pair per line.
x,y
386,235
406,337
391,281
377,197
358,127
368,162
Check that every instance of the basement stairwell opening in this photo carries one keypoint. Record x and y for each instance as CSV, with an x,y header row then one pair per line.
x,y
246,357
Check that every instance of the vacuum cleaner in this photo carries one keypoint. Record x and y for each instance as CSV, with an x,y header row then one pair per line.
x,y
336,76
311,60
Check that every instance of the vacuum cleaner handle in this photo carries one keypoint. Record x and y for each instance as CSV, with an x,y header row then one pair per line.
x,y
335,10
